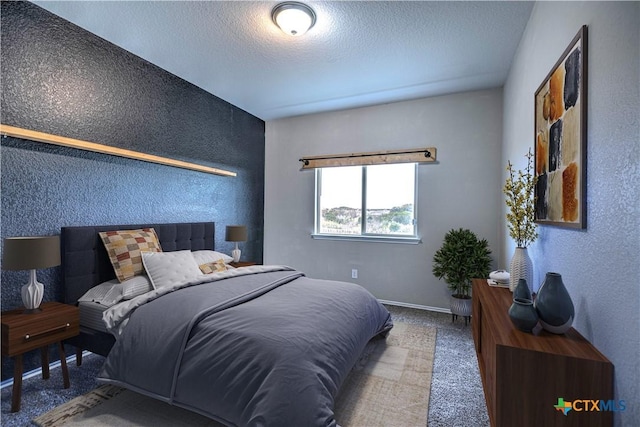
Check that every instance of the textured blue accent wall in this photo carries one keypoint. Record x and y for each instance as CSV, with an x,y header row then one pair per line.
x,y
60,79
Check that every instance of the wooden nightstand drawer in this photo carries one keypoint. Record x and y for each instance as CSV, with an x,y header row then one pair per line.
x,y
24,332
242,264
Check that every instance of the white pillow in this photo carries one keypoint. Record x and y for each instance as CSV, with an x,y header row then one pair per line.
x,y
113,291
135,286
107,293
167,268
206,257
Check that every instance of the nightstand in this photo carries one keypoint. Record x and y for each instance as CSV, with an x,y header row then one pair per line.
x,y
25,332
242,264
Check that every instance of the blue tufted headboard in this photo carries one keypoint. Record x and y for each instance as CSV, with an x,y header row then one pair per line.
x,y
85,262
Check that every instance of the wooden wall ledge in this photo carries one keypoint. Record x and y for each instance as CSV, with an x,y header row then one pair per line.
x,y
48,138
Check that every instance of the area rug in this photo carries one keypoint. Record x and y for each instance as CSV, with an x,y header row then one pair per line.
x,y
389,385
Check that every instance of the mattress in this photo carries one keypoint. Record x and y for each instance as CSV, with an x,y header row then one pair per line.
x,y
91,315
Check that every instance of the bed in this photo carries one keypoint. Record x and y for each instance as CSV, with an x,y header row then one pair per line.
x,y
253,346
85,264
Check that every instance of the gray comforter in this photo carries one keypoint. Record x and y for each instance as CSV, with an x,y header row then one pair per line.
x,y
256,347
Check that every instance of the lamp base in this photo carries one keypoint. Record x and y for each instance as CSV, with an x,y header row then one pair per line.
x,y
32,294
236,255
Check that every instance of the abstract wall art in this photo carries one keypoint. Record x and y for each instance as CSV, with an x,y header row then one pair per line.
x,y
560,139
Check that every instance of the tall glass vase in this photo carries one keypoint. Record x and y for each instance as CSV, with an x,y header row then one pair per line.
x,y
521,267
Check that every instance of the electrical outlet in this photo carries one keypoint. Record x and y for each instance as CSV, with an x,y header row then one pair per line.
x,y
354,273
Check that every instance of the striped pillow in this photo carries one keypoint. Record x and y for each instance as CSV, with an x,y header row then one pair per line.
x,y
124,248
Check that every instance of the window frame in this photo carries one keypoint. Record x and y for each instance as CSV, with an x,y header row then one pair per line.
x,y
364,236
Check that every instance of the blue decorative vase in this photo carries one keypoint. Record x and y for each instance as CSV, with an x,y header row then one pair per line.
x,y
554,305
522,290
523,315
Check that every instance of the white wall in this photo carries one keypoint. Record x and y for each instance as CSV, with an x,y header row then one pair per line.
x,y
600,265
462,190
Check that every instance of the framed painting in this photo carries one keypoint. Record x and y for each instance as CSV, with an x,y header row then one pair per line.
x,y
561,139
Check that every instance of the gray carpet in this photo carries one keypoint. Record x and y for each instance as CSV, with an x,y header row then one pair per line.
x,y
456,390
457,398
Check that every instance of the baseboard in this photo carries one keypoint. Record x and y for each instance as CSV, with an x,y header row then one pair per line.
x,y
416,306
38,371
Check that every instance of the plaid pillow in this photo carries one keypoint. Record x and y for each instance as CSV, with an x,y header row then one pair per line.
x,y
213,267
124,248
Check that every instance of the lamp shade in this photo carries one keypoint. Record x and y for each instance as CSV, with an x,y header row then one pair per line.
x,y
31,253
236,233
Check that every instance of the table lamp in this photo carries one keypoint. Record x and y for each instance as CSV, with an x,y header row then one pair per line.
x,y
236,233
31,253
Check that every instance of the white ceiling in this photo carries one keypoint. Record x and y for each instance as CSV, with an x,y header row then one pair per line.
x,y
359,53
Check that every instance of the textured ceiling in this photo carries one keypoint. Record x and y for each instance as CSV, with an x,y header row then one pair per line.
x,y
358,53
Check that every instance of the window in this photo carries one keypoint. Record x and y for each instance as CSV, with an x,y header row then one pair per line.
x,y
366,201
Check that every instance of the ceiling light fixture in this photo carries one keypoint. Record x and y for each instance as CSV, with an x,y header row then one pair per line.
x,y
293,18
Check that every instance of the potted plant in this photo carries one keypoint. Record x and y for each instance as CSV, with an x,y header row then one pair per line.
x,y
462,257
519,190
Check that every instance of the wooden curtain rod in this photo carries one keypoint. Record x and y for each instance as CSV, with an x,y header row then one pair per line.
x,y
417,155
63,141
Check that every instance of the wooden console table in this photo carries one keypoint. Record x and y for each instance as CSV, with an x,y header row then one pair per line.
x,y
524,375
